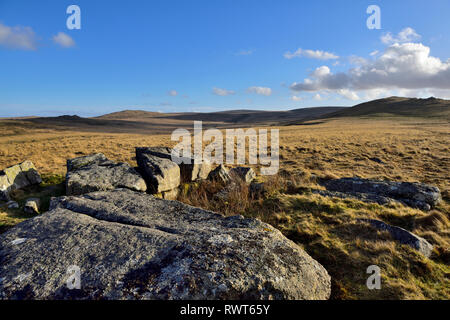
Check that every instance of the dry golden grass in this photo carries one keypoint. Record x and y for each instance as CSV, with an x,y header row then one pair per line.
x,y
412,150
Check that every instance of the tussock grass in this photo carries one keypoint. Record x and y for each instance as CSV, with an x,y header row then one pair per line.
x,y
327,228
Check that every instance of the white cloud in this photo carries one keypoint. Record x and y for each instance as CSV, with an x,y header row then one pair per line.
x,y
348,94
222,92
400,66
313,54
64,40
296,98
406,35
173,93
260,90
374,53
18,37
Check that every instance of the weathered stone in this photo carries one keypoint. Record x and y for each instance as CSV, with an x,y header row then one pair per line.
x,y
17,177
244,173
417,195
194,171
189,170
160,152
32,206
160,173
403,236
31,173
84,161
96,173
220,174
131,245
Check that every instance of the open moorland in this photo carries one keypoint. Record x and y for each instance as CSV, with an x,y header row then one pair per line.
x,y
395,139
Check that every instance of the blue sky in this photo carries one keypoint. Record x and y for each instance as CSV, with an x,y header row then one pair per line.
x,y
210,55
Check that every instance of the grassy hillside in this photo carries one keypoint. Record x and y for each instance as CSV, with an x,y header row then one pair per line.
x,y
397,106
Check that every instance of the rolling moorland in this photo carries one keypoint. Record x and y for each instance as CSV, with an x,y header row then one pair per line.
x,y
398,139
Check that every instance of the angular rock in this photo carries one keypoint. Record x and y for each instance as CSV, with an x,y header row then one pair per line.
x,y
17,177
96,173
245,173
84,161
413,194
131,245
195,171
31,173
220,174
189,171
403,236
32,206
160,173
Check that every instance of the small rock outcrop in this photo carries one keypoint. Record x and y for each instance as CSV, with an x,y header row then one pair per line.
x,y
17,177
220,174
97,173
413,194
403,236
32,205
160,173
131,245
244,173
189,170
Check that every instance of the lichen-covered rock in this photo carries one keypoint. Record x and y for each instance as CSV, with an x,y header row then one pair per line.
x,y
130,245
220,174
32,205
84,161
161,173
96,173
403,236
417,195
17,177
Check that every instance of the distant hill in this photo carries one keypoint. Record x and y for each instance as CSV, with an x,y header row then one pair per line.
x,y
228,117
129,114
397,106
139,121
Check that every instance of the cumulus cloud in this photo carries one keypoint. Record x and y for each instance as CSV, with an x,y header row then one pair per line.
x,y
296,98
260,90
173,93
348,94
313,54
406,35
400,66
222,92
64,40
18,37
